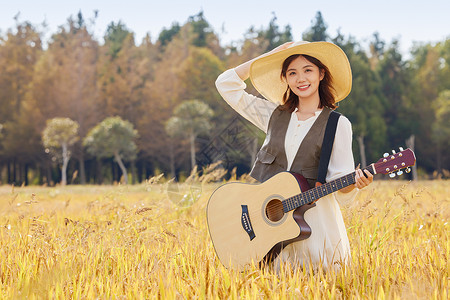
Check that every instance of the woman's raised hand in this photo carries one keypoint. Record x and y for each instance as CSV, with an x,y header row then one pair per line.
x,y
281,47
243,69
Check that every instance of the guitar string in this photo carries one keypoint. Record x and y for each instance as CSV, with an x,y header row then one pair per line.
x,y
371,168
271,210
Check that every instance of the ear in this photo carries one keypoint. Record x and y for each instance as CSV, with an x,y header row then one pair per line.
x,y
322,74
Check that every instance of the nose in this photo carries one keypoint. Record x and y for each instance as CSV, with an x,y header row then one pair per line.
x,y
300,78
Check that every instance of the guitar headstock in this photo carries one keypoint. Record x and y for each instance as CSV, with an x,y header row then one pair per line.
x,y
394,162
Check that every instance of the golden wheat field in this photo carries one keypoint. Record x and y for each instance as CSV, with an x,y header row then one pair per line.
x,y
151,241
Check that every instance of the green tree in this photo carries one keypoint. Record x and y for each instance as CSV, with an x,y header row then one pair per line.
x,y
364,105
273,36
396,85
167,35
114,38
445,63
59,135
201,30
318,30
425,83
198,32
113,137
441,128
376,49
190,119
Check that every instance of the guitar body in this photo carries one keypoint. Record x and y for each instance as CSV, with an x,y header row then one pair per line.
x,y
247,223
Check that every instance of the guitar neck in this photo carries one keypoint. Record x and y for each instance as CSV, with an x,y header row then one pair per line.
x,y
318,192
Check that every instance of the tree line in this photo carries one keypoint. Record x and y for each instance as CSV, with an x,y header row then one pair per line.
x,y
151,87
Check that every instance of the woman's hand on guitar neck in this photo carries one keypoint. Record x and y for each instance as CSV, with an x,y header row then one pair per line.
x,y
361,181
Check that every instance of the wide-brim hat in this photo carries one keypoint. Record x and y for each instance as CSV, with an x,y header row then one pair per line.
x,y
265,72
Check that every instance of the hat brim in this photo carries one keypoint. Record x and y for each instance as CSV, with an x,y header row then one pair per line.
x,y
265,71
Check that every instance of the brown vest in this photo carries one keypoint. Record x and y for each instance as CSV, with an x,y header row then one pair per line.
x,y
271,158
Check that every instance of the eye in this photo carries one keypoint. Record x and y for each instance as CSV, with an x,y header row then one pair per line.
x,y
308,70
291,73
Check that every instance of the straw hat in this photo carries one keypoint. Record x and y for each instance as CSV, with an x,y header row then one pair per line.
x,y
265,71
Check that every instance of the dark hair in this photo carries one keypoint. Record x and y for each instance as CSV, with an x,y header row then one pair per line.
x,y
290,99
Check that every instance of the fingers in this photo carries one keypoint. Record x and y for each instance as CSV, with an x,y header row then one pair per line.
x,y
362,181
369,175
286,45
281,47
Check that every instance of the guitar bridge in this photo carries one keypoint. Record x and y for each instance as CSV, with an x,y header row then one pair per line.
x,y
246,223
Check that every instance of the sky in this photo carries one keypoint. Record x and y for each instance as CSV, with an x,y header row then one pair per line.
x,y
407,20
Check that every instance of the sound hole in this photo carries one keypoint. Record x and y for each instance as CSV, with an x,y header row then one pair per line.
x,y
274,210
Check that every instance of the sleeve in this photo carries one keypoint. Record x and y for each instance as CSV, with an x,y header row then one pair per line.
x,y
256,110
341,160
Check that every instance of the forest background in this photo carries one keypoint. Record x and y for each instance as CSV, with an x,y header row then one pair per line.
x,y
394,101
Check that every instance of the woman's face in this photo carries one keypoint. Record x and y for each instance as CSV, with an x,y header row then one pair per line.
x,y
303,78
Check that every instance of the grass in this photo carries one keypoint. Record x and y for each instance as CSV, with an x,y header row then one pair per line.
x,y
151,241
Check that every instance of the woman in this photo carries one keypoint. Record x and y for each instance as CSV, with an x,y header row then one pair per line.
x,y
302,82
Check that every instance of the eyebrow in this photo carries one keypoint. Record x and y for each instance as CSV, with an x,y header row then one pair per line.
x,y
307,66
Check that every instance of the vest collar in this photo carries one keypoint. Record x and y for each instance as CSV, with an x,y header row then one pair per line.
x,y
317,113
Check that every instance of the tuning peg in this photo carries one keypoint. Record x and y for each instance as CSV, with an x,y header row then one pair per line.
x,y
408,169
393,152
400,172
386,154
392,175
400,148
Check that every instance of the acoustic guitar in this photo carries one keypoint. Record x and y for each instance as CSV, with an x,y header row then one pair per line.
x,y
252,223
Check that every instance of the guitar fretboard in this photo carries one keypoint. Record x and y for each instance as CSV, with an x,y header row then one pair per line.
x,y
321,191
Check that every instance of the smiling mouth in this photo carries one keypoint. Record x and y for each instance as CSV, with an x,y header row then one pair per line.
x,y
304,87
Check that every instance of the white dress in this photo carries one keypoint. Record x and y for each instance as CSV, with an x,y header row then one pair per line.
x,y
328,243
